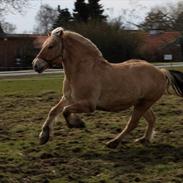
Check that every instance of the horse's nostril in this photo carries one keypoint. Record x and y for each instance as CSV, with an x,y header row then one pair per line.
x,y
39,65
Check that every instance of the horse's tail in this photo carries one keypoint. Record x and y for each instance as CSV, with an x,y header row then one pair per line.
x,y
175,80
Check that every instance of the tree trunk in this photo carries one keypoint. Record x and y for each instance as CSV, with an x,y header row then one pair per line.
x,y
1,29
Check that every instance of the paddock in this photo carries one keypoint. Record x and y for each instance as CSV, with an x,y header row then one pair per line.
x,y
80,155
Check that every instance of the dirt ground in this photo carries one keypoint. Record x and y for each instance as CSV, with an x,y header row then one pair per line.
x,y
80,155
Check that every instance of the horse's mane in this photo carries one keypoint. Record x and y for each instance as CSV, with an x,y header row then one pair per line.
x,y
85,42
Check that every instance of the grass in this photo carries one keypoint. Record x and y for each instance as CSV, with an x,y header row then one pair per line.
x,y
74,155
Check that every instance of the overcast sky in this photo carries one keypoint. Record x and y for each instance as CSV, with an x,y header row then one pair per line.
x,y
113,8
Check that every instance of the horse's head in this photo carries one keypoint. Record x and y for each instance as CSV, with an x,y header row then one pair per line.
x,y
51,52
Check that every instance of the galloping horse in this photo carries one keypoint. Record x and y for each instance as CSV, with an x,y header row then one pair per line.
x,y
92,83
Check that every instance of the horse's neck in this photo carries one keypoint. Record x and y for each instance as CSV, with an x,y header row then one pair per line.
x,y
74,65
69,68
78,59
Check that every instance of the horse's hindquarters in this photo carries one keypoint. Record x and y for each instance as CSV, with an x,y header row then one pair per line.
x,y
125,85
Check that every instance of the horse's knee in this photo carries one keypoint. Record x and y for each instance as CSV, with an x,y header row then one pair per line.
x,y
80,107
53,112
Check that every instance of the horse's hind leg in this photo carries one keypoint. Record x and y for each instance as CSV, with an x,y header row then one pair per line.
x,y
74,121
79,107
138,111
150,118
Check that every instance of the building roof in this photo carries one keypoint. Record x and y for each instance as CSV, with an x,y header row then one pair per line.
x,y
156,41
38,39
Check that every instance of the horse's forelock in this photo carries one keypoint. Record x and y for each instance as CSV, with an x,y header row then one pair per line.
x,y
50,39
57,31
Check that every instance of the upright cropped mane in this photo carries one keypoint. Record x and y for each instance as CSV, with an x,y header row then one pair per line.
x,y
84,41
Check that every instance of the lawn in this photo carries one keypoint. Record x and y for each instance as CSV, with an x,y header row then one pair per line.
x,y
80,155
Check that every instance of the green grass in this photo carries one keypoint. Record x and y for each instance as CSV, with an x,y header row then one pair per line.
x,y
30,85
76,155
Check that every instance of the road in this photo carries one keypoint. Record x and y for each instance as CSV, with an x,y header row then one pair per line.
x,y
28,72
58,71
174,64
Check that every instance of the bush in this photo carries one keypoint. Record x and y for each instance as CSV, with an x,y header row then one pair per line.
x,y
115,43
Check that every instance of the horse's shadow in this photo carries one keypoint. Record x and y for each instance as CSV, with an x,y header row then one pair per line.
x,y
140,157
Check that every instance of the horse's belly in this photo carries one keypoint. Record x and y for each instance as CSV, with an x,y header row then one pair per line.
x,y
117,98
114,106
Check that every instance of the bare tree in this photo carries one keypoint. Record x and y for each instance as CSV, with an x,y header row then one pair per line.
x,y
131,16
157,19
167,17
7,6
45,18
11,5
8,27
176,12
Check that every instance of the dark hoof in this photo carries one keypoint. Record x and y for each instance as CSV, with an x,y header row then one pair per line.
x,y
143,141
77,123
112,144
44,136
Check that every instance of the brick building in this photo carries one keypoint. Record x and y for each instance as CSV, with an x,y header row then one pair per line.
x,y
157,44
18,50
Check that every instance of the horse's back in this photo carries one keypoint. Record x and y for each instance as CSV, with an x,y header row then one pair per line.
x,y
142,74
135,64
138,69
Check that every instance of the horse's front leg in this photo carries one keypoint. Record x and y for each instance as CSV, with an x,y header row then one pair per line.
x,y
83,106
47,128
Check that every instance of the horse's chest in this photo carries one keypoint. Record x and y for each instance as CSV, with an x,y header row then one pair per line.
x,y
81,93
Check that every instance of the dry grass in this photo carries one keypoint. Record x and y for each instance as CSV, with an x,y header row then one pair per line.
x,y
76,155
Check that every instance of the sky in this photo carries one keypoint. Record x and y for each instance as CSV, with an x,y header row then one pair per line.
x,y
25,22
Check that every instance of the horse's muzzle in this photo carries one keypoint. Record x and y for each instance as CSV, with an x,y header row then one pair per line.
x,y
39,65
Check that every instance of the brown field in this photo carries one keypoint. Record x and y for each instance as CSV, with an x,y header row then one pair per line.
x,y
80,156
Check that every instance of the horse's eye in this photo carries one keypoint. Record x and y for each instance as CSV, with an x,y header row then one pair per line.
x,y
50,47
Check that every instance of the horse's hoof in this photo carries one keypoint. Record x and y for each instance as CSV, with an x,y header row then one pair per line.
x,y
77,123
44,135
112,144
143,141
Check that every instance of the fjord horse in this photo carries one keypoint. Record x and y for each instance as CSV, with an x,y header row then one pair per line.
x,y
91,82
